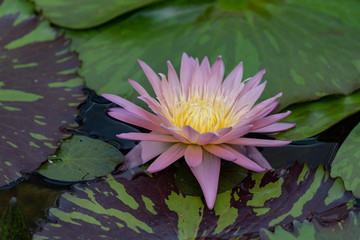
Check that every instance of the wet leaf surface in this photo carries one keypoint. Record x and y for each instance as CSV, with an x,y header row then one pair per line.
x,y
12,223
85,13
81,158
152,207
291,40
315,117
345,229
39,90
346,164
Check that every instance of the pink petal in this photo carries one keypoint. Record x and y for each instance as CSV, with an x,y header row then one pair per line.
x,y
133,108
193,155
223,131
190,134
168,157
256,156
207,174
206,138
139,88
248,164
254,81
186,71
173,79
205,67
258,142
236,133
276,127
270,120
217,74
124,115
252,95
153,79
222,151
147,137
175,135
234,78
152,149
132,159
264,104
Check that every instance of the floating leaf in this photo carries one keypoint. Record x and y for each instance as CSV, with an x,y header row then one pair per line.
x,y
81,158
347,162
315,117
85,13
12,223
39,90
345,229
297,44
151,206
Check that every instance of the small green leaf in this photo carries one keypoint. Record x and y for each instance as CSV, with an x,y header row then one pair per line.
x,y
81,158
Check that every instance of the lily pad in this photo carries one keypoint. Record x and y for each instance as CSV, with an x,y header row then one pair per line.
x,y
151,206
294,42
347,162
12,223
85,13
313,118
81,158
39,90
345,229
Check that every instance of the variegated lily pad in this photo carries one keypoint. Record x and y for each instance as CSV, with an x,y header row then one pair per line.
x,y
345,229
39,90
347,162
152,207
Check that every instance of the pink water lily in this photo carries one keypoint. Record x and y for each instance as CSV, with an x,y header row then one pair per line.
x,y
202,118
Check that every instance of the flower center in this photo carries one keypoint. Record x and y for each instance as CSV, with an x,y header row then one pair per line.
x,y
203,115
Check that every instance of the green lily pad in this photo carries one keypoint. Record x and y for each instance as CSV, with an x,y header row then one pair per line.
x,y
151,206
12,223
39,90
81,158
85,13
345,229
346,163
297,45
313,118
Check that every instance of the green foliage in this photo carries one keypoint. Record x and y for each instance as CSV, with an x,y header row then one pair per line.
x,y
346,163
12,223
81,158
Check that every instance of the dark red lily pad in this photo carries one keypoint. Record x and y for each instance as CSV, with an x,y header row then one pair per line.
x,y
345,229
39,90
152,207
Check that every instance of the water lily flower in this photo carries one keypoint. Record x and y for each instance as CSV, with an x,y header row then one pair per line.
x,y
202,118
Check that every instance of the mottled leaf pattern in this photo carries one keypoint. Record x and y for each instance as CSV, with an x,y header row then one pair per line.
x,y
347,162
152,207
85,13
39,90
294,42
81,158
345,229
